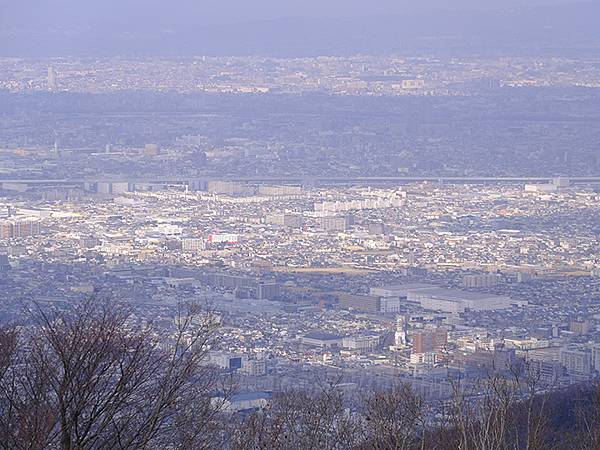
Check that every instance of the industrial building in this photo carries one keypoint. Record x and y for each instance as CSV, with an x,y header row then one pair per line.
x,y
321,339
435,298
456,301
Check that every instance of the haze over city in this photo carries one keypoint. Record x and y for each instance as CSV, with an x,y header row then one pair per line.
x,y
299,225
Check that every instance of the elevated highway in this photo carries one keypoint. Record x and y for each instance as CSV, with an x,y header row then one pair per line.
x,y
296,180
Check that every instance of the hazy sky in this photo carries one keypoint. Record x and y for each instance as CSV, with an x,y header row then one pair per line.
x,y
25,13
230,27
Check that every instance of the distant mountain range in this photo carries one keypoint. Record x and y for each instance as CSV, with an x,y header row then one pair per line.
x,y
568,29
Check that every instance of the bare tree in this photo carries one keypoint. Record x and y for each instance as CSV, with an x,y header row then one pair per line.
x,y
532,421
587,416
301,420
28,414
89,378
395,418
94,377
500,412
8,345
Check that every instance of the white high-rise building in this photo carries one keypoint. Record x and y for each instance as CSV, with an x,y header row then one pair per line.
x,y
51,78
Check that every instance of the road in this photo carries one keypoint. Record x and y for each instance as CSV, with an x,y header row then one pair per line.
x,y
292,180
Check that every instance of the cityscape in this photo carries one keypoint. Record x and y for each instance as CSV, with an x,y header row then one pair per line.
x,y
364,220
329,277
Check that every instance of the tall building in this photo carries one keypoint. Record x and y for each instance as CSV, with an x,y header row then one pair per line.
x,y
16,228
390,305
285,220
367,303
580,326
115,188
486,361
227,361
334,223
577,362
52,85
254,367
427,341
